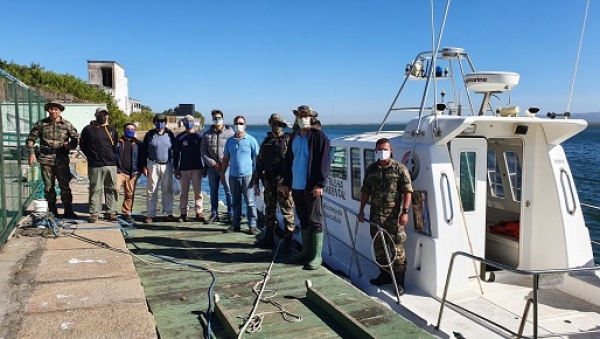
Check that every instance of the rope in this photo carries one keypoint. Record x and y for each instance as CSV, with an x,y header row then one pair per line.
x,y
253,323
578,54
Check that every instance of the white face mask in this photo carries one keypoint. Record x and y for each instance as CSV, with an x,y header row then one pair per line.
x,y
239,128
383,155
218,121
304,122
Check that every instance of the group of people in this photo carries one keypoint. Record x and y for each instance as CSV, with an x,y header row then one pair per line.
x,y
292,167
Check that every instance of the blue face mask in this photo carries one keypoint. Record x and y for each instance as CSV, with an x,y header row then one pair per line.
x,y
188,125
160,125
129,133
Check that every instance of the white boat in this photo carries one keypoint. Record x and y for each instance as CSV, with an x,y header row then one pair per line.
x,y
475,167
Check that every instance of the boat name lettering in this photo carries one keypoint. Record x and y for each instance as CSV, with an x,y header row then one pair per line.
x,y
337,211
332,213
477,79
559,161
335,187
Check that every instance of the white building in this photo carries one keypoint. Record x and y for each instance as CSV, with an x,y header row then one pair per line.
x,y
110,76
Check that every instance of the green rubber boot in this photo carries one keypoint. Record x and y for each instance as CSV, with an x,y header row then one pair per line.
x,y
316,253
305,254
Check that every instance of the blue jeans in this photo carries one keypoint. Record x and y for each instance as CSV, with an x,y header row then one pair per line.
x,y
242,187
214,179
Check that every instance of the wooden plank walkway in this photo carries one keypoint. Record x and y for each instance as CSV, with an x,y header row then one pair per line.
x,y
178,296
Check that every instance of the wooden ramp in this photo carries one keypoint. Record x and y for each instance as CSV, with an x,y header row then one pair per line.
x,y
178,294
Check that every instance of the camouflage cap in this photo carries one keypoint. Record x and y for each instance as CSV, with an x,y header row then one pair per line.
x,y
277,117
160,117
305,109
53,104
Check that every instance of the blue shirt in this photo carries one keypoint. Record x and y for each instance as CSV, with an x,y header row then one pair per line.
x,y
300,167
242,155
160,148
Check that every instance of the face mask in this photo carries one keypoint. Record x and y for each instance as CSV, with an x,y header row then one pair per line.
x,y
239,128
304,122
129,133
160,125
383,155
101,119
188,125
218,121
277,129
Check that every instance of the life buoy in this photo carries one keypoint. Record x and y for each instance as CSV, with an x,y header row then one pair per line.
x,y
411,161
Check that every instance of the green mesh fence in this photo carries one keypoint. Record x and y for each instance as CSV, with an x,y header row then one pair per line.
x,y
20,108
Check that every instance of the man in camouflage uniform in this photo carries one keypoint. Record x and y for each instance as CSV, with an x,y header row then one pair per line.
x,y
387,183
269,170
57,137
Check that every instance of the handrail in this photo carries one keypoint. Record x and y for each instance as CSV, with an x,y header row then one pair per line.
x,y
535,273
443,177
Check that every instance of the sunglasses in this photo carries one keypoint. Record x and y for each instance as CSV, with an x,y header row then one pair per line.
x,y
240,123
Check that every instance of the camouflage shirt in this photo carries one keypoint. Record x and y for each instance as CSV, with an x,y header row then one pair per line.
x,y
386,186
52,135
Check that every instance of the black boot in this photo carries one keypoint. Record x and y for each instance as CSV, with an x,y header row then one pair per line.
x,y
267,241
382,279
400,281
52,208
69,211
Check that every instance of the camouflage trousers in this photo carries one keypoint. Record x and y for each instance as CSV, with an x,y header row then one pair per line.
x,y
273,196
62,174
399,238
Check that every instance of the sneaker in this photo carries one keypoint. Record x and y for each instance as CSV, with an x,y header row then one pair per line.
x,y
110,217
129,218
182,218
232,229
148,220
253,230
200,217
170,218
93,218
211,219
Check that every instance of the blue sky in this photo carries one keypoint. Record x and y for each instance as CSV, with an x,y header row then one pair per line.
x,y
258,57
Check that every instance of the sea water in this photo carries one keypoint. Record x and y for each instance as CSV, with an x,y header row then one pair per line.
x,y
583,153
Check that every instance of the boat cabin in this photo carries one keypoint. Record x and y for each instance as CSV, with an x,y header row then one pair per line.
x,y
497,186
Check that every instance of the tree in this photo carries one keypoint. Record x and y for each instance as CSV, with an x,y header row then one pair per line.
x,y
36,76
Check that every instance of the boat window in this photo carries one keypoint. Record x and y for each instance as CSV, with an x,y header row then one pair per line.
x,y
514,173
369,157
356,172
467,180
339,163
494,175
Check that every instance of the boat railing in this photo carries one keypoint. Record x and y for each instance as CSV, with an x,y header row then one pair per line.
x,y
531,301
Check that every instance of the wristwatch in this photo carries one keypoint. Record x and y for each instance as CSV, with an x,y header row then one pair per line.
x,y
404,211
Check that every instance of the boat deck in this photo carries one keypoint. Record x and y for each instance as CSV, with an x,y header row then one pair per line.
x,y
178,294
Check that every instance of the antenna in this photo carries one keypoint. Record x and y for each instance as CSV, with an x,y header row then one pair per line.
x,y
578,53
333,106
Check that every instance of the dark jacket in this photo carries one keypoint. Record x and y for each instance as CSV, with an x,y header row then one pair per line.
x,y
186,154
143,163
271,158
318,160
135,155
99,144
